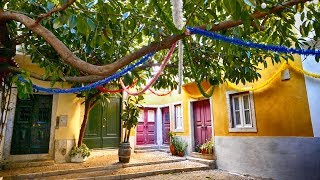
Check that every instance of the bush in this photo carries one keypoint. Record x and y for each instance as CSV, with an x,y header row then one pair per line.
x,y
207,147
83,150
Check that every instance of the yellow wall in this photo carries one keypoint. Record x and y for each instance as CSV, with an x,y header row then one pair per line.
x,y
67,104
151,99
281,108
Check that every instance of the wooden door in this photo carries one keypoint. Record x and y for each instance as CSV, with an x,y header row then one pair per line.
x,y
165,125
31,131
103,128
146,130
111,123
202,122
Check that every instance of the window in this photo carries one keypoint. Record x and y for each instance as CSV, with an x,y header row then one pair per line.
x,y
241,112
178,125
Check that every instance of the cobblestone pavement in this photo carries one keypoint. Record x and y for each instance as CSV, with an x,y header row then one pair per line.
x,y
200,175
98,158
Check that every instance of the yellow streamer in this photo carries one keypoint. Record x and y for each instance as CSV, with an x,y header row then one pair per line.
x,y
294,67
272,78
197,96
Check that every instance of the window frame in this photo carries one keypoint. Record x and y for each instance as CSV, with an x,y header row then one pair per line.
x,y
178,129
242,127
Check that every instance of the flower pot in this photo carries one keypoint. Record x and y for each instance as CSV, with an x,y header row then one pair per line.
x,y
181,154
204,151
124,152
172,150
78,158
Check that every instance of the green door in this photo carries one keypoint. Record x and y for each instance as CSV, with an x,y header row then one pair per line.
x,y
103,128
31,130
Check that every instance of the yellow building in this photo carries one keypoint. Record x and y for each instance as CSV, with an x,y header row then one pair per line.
x,y
44,126
269,128
272,131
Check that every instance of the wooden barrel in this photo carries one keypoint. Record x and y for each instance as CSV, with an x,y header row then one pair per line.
x,y
124,152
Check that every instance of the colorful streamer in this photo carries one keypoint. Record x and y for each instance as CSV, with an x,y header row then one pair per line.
x,y
95,84
158,94
153,80
240,42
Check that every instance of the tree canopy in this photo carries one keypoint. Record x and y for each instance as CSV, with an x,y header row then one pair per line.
x,y
80,41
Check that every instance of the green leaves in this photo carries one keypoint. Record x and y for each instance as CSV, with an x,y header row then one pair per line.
x,y
249,3
72,23
103,31
57,23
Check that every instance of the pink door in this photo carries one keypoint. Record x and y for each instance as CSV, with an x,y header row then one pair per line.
x,y
165,125
202,121
146,127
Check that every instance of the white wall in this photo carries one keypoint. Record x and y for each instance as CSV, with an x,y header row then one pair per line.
x,y
270,157
313,92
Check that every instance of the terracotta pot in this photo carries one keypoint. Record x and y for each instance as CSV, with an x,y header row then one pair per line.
x,y
124,152
181,154
172,149
204,151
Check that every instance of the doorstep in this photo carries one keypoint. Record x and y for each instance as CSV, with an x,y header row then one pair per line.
x,y
203,156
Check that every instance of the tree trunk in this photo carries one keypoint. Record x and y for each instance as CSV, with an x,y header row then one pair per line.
x,y
87,108
127,136
84,122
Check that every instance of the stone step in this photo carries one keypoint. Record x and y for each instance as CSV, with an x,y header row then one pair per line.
x,y
165,150
114,166
133,171
203,156
146,147
211,163
145,150
16,165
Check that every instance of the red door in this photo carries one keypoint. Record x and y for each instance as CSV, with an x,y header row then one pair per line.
x,y
146,127
202,121
165,125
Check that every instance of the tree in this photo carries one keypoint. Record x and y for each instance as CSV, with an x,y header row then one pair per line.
x,y
87,40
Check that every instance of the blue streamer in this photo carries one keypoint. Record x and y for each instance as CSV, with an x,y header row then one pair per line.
x,y
95,84
240,42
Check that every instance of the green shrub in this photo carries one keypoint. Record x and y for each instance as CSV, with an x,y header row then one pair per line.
x,y
83,150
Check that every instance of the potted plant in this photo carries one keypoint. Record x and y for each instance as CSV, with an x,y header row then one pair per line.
x,y
173,139
180,147
79,154
207,147
129,117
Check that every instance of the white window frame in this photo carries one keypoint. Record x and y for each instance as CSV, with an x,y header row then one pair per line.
x,y
177,129
243,127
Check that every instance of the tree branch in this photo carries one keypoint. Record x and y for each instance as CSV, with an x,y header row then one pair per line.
x,y
111,68
61,8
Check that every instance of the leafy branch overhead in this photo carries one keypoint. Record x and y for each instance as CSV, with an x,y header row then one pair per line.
x,y
79,41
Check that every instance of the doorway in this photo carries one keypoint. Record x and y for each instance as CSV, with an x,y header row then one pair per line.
x,y
103,128
146,129
165,125
202,122
31,125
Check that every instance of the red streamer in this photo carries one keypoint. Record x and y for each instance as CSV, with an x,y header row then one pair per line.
x,y
104,90
155,93
153,80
